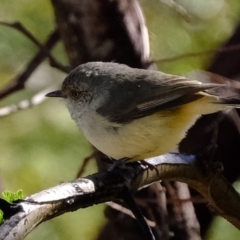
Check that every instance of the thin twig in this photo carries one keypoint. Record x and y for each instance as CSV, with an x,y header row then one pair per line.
x,y
197,54
25,104
122,209
178,8
19,82
19,27
128,199
86,160
185,212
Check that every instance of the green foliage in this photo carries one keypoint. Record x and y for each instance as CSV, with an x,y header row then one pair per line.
x,y
10,197
1,217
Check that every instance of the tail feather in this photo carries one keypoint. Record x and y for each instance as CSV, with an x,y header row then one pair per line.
x,y
227,90
232,102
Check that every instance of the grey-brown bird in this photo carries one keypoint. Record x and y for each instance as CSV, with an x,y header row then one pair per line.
x,y
135,113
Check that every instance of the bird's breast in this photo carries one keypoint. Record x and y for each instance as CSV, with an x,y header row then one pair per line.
x,y
142,138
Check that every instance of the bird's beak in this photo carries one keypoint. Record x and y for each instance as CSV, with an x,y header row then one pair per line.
x,y
57,93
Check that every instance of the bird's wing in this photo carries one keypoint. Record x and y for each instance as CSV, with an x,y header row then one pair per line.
x,y
173,92
148,94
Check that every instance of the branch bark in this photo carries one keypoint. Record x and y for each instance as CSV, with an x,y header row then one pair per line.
x,y
103,30
107,186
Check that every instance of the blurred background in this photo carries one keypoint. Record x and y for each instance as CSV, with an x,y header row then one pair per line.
x,y
41,147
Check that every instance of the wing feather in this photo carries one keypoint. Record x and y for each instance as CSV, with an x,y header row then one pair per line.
x,y
144,94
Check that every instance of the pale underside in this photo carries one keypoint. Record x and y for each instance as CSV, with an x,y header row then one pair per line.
x,y
145,137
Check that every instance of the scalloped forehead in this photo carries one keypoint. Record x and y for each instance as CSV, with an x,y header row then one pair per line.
x,y
93,70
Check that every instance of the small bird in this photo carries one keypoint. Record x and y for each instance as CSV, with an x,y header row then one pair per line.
x,y
135,113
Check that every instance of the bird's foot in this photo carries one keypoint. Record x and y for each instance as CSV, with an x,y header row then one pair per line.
x,y
150,166
119,162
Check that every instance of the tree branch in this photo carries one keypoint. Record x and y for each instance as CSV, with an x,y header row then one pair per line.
x,y
230,48
25,104
107,186
53,62
103,31
19,82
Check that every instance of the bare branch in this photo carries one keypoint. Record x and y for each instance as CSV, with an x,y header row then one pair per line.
x,y
18,26
103,31
107,186
86,160
25,104
178,8
188,216
128,212
19,82
235,47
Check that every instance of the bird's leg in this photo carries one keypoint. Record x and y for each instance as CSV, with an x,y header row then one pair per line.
x,y
107,159
151,166
121,161
125,160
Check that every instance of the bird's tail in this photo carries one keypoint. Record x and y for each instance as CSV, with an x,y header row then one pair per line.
x,y
231,102
228,90
228,93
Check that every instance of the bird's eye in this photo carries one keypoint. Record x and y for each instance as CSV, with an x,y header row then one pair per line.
x,y
75,94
